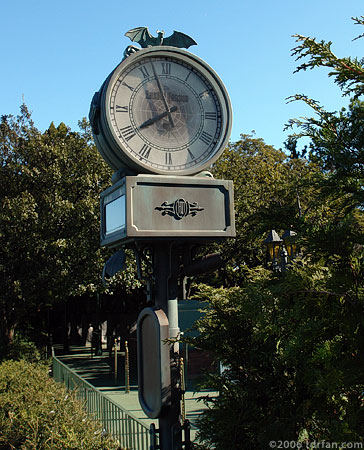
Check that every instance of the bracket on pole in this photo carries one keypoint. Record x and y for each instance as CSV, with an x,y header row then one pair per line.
x,y
153,431
187,431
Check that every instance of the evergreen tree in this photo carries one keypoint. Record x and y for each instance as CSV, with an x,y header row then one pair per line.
x,y
50,186
292,344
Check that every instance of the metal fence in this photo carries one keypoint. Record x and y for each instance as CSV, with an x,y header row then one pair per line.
x,y
128,430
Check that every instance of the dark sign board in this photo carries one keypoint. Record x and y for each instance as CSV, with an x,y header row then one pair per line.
x,y
154,376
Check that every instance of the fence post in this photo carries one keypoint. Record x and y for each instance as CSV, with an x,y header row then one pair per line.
x,y
127,369
115,359
183,389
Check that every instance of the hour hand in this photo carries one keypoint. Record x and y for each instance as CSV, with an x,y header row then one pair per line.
x,y
158,117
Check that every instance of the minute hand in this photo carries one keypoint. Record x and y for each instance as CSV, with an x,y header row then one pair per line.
x,y
168,113
158,117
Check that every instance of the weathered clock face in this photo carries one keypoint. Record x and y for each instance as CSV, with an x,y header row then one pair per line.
x,y
168,112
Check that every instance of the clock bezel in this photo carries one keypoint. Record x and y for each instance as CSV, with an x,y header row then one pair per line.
x,y
118,156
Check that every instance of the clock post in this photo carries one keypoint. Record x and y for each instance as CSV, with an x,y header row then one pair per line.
x,y
160,119
166,284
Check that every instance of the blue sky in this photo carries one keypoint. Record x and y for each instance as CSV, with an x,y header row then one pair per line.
x,y
57,54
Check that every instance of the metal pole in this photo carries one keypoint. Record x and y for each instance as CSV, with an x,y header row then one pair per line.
x,y
183,388
127,371
166,284
115,359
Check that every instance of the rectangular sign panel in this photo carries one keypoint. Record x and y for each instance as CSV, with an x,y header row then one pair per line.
x,y
147,206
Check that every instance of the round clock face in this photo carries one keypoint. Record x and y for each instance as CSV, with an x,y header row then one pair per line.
x,y
166,112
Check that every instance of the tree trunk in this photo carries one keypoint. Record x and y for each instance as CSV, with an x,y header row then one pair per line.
x,y
7,329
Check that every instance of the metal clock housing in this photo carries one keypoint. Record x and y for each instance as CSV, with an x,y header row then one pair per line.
x,y
163,110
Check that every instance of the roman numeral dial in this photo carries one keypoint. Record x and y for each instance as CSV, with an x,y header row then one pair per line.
x,y
166,68
145,151
167,113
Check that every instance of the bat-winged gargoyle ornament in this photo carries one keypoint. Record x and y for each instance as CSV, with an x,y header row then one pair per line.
x,y
142,36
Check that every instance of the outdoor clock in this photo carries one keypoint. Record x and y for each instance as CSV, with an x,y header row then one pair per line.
x,y
163,111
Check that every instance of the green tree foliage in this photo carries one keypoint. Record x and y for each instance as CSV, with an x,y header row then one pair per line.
x,y
292,345
50,186
337,138
334,230
292,349
270,191
38,413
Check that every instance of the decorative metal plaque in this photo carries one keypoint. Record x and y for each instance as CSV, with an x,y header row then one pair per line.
x,y
179,209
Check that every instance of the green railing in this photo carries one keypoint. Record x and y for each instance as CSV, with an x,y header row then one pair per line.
x,y
128,430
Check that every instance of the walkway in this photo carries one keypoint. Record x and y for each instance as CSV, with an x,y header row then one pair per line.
x,y
97,371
